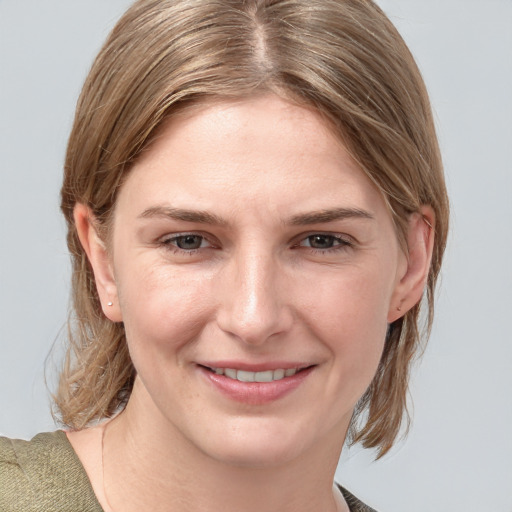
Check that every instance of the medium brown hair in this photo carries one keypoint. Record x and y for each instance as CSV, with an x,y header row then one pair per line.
x,y
343,58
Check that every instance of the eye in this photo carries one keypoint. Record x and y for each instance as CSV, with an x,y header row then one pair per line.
x,y
187,242
322,241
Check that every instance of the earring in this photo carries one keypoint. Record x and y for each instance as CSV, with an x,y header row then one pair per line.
x,y
110,304
427,222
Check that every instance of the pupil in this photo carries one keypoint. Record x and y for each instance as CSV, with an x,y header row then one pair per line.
x,y
189,242
321,241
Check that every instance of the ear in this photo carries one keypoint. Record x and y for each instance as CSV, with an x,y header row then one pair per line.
x,y
420,242
100,261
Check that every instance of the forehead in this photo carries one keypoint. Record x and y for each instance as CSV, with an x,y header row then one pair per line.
x,y
262,149
257,118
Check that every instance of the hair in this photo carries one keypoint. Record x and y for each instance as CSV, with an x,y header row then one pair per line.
x,y
342,58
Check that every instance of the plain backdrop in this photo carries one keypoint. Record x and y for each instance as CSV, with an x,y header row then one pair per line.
x,y
458,456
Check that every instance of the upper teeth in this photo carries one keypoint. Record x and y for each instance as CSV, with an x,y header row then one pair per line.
x,y
245,376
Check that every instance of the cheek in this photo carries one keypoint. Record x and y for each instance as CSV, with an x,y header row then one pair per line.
x,y
162,308
351,301
349,315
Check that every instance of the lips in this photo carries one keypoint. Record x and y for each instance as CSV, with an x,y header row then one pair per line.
x,y
255,386
249,376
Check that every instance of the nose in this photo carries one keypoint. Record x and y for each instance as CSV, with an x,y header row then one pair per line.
x,y
254,303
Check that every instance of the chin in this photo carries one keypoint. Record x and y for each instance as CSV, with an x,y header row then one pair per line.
x,y
256,455
258,443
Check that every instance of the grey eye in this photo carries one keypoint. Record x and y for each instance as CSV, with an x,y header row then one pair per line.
x,y
321,241
189,242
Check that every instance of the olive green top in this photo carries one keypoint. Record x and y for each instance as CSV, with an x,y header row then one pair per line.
x,y
45,475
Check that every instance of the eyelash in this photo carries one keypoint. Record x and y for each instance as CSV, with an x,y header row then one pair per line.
x,y
171,243
341,243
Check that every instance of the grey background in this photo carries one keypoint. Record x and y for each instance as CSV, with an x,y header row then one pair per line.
x,y
458,456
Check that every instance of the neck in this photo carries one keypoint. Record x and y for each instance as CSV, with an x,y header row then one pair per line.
x,y
151,465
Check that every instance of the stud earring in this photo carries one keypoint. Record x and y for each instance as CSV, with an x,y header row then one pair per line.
x,y
110,304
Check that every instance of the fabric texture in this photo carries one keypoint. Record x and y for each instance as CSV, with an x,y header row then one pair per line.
x,y
45,475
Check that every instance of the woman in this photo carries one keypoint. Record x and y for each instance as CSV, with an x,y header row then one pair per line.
x,y
256,205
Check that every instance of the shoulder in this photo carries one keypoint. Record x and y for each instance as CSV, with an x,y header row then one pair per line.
x,y
354,504
43,474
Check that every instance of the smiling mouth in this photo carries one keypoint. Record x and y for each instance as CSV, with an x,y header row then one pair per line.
x,y
264,376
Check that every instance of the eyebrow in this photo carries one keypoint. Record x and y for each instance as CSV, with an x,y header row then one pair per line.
x,y
329,215
301,219
198,216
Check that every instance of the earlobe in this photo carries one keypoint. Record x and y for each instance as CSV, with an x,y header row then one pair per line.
x,y
100,262
420,240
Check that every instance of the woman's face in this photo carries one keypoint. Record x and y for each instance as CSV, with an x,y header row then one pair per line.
x,y
247,245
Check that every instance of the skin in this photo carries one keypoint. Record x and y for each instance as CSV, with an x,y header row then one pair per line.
x,y
262,278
